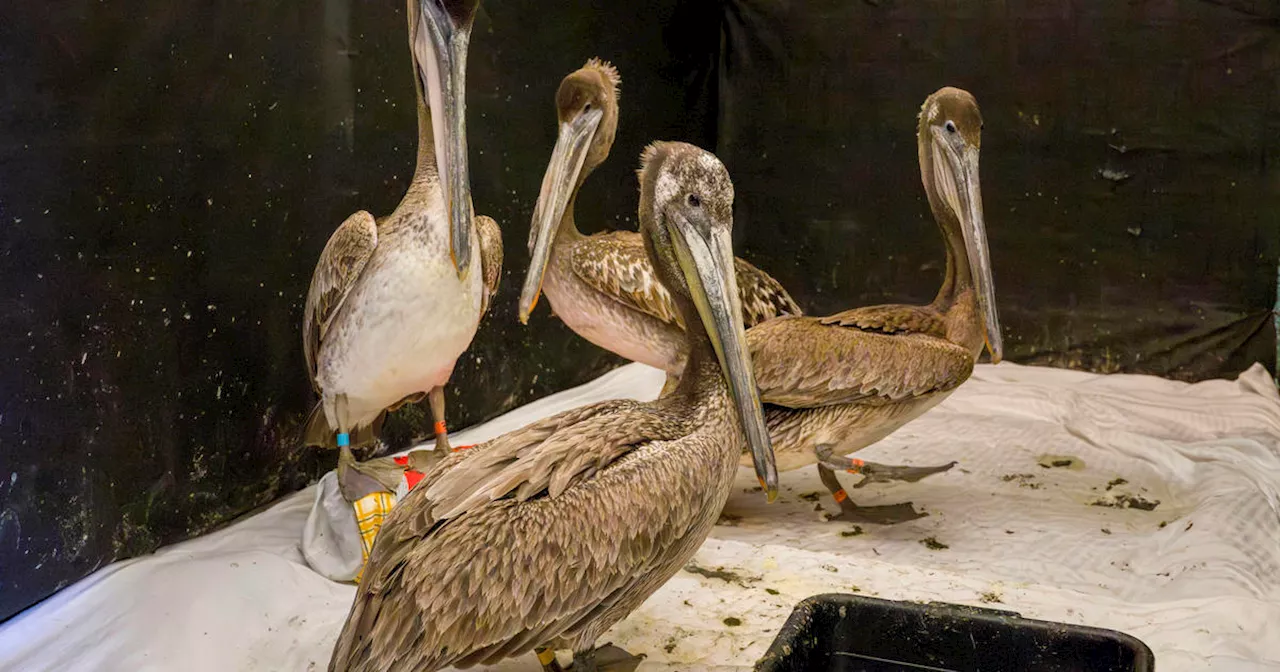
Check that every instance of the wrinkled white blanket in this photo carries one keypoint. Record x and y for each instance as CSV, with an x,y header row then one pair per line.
x,y
1197,578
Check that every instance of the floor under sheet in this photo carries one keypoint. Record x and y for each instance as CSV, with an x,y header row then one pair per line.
x,y
1197,578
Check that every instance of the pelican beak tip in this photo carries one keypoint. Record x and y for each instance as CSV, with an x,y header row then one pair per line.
x,y
526,309
770,490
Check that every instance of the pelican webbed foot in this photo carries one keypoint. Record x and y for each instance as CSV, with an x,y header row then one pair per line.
x,y
607,658
871,472
424,460
356,479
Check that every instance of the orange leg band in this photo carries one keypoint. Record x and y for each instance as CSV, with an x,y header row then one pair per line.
x,y
857,466
439,428
840,496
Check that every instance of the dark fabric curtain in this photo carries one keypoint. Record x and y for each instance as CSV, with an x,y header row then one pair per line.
x,y
1129,166
168,176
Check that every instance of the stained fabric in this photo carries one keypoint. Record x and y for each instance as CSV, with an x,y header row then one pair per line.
x,y
1129,502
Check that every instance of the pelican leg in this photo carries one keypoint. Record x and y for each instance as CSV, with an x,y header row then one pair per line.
x,y
351,482
607,658
872,472
436,399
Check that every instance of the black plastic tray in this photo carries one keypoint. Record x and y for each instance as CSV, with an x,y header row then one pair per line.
x,y
851,633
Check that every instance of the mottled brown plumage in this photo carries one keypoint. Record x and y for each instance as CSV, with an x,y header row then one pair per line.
x,y
490,259
615,265
548,535
341,261
804,363
834,385
892,318
602,286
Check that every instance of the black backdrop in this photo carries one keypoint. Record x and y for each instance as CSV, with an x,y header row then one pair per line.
x,y
1129,165
169,173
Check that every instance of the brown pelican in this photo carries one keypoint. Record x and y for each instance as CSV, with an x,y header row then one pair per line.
x,y
603,286
834,385
545,537
394,301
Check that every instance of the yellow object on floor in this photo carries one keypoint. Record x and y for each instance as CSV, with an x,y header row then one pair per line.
x,y
371,511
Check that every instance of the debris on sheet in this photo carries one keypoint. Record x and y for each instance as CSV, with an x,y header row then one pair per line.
x,y
809,496
1126,501
732,621
729,520
1060,462
1214,617
1023,480
857,530
991,597
933,544
720,573
1116,481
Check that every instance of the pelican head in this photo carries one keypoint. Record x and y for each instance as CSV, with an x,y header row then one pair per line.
x,y
686,221
587,107
950,138
439,33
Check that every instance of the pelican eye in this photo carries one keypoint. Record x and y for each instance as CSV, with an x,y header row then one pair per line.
x,y
695,201
587,107
951,126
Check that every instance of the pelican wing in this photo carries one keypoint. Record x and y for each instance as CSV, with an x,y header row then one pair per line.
x,y
576,446
343,258
616,265
490,258
802,363
892,319
511,544
763,297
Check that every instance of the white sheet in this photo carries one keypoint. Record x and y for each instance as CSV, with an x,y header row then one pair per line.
x,y
1203,589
